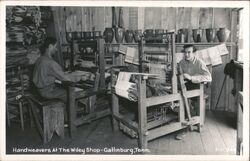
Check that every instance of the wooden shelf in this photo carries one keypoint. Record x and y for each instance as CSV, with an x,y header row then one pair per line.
x,y
207,44
66,44
89,56
20,65
107,55
117,44
85,53
177,44
156,52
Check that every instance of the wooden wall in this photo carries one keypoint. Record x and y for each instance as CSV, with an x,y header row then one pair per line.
x,y
98,18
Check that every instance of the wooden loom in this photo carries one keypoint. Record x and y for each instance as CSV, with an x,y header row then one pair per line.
x,y
146,131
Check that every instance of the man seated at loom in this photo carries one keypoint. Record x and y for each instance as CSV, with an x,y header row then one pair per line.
x,y
194,72
46,71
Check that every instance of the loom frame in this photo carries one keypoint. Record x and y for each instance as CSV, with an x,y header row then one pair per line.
x,y
152,130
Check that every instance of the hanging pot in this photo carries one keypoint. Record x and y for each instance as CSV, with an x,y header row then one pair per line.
x,y
182,35
88,35
223,34
97,34
166,37
159,32
159,35
149,35
197,35
119,34
176,37
77,35
69,36
210,34
129,36
108,35
137,35
83,36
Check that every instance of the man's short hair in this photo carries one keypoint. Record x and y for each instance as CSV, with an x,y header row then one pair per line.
x,y
46,43
189,46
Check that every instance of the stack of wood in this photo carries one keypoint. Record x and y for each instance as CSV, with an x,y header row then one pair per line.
x,y
25,32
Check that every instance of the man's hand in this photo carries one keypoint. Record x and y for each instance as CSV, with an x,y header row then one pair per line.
x,y
78,61
187,76
68,83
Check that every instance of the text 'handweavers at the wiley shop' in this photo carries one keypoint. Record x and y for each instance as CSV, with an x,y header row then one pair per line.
x,y
87,150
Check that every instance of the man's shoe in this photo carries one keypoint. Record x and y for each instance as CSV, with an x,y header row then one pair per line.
x,y
180,136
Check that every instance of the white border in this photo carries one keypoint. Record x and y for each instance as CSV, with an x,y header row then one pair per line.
x,y
226,4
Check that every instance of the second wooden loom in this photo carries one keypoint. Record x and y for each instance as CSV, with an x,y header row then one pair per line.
x,y
146,131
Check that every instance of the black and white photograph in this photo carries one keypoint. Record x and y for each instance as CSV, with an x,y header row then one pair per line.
x,y
127,79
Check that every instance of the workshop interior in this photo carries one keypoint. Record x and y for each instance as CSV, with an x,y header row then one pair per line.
x,y
127,71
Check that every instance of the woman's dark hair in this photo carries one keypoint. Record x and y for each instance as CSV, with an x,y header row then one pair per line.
x,y
46,43
189,46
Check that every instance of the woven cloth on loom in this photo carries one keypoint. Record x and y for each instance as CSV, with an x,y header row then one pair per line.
x,y
158,69
132,56
214,55
122,49
126,85
123,85
203,55
157,59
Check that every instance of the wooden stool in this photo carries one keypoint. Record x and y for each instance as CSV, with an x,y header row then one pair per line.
x,y
52,117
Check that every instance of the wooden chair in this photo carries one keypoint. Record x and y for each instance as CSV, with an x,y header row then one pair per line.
x,y
20,107
16,106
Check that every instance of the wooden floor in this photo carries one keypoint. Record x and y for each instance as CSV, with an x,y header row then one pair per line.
x,y
217,138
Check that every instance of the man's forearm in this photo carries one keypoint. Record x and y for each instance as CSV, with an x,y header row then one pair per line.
x,y
201,78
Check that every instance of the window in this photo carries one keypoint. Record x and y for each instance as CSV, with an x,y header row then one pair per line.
x,y
240,38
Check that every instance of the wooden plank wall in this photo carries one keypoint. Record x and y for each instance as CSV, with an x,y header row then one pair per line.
x,y
98,18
